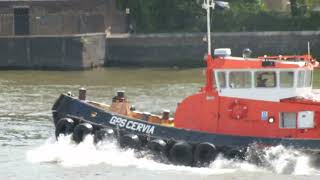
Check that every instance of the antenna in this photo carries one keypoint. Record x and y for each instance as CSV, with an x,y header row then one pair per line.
x,y
309,48
208,4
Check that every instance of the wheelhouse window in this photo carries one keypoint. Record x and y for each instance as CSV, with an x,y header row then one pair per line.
x,y
288,120
301,75
308,78
265,79
240,79
221,79
286,79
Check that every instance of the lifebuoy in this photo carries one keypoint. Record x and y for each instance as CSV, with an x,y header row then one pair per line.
x,y
102,134
238,110
130,141
81,131
181,153
157,146
64,126
204,154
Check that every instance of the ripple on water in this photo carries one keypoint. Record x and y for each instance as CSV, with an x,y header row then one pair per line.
x,y
25,111
20,131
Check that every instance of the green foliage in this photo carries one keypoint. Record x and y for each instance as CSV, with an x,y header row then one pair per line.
x,y
164,15
245,15
298,7
246,6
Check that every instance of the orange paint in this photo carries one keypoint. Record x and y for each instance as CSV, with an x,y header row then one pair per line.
x,y
207,111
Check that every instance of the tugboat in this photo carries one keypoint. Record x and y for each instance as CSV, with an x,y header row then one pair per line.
x,y
244,101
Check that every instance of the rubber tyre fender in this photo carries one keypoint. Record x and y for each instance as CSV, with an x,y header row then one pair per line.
x,y
158,146
130,141
102,134
81,131
55,118
204,154
181,153
234,154
64,126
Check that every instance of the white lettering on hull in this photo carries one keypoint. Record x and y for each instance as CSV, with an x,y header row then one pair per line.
x,y
132,125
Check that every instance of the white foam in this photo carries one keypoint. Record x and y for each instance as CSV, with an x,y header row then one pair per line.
x,y
223,163
68,154
288,161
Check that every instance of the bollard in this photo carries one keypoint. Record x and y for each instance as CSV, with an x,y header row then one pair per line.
x,y
132,108
82,94
120,96
145,116
165,114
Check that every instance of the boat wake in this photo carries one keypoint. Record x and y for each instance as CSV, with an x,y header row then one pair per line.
x,y
66,153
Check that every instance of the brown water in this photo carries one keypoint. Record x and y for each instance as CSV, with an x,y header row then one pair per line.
x,y
29,151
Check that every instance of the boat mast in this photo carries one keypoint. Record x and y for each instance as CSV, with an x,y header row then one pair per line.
x,y
208,4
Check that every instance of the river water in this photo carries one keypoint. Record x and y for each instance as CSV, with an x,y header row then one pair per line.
x,y
28,149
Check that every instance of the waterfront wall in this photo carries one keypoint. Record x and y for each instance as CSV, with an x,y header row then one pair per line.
x,y
68,52
83,51
187,50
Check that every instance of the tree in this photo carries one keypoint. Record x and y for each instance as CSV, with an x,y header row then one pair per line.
x,y
299,7
151,16
247,6
164,15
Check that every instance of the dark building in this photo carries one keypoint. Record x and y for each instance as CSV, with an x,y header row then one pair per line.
x,y
56,34
57,17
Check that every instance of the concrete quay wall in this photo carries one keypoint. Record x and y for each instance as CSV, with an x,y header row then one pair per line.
x,y
58,52
83,51
187,50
